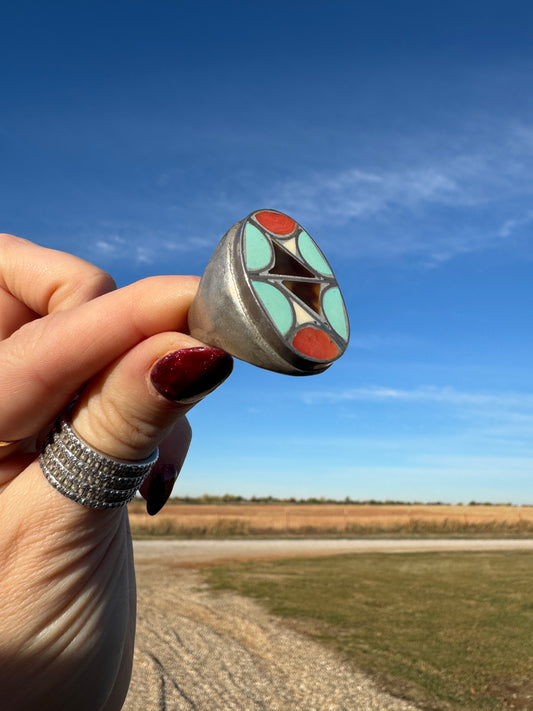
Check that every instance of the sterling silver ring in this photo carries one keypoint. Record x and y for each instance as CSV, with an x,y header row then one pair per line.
x,y
86,476
268,296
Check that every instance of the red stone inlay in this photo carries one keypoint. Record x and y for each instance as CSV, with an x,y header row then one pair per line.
x,y
275,222
315,343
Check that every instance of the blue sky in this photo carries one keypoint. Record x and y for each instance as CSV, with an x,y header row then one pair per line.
x,y
400,134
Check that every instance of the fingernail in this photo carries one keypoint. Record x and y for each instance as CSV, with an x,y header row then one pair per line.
x,y
157,488
187,375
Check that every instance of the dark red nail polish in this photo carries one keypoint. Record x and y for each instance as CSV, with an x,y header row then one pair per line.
x,y
188,375
157,488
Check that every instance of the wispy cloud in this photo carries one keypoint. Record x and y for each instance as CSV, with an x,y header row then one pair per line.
x,y
499,418
515,224
357,194
147,249
488,170
432,202
427,394
430,199
114,248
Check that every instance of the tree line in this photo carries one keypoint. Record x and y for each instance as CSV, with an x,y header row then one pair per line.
x,y
237,499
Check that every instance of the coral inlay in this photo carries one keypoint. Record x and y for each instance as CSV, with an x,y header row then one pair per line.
x,y
276,222
315,343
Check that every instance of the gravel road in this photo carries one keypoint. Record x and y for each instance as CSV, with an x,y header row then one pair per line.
x,y
205,551
196,649
215,652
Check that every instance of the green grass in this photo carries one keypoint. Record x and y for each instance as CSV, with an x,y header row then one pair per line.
x,y
450,631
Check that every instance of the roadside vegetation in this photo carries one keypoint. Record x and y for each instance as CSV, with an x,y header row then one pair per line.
x,y
449,631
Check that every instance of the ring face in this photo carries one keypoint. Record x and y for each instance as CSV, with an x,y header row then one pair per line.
x,y
269,297
294,285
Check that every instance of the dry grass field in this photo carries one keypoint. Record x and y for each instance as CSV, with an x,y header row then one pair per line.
x,y
246,519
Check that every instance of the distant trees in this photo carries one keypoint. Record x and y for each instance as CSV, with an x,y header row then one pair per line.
x,y
233,499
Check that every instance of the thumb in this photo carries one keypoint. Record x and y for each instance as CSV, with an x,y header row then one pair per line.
x,y
126,411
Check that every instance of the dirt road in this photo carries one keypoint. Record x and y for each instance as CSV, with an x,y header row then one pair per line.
x,y
205,651
196,650
204,551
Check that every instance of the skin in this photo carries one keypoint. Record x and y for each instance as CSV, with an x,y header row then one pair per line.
x,y
67,583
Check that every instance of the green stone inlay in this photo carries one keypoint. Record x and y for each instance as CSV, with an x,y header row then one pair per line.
x,y
276,304
257,248
312,254
335,312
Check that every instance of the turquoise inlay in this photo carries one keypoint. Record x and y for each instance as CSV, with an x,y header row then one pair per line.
x,y
258,250
277,306
312,254
335,312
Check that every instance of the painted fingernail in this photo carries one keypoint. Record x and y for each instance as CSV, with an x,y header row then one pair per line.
x,y
187,375
157,487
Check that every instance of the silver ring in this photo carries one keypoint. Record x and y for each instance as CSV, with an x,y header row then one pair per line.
x,y
268,296
86,476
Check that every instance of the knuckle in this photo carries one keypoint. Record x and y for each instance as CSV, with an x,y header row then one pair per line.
x,y
82,287
7,240
100,282
119,433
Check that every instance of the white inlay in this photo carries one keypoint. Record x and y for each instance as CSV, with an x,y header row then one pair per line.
x,y
302,316
290,246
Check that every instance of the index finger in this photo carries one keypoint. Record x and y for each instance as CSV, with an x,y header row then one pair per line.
x,y
47,280
46,362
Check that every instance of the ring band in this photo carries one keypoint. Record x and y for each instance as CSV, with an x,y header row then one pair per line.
x,y
86,476
9,444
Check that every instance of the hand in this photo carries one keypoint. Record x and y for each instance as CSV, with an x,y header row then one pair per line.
x,y
67,587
